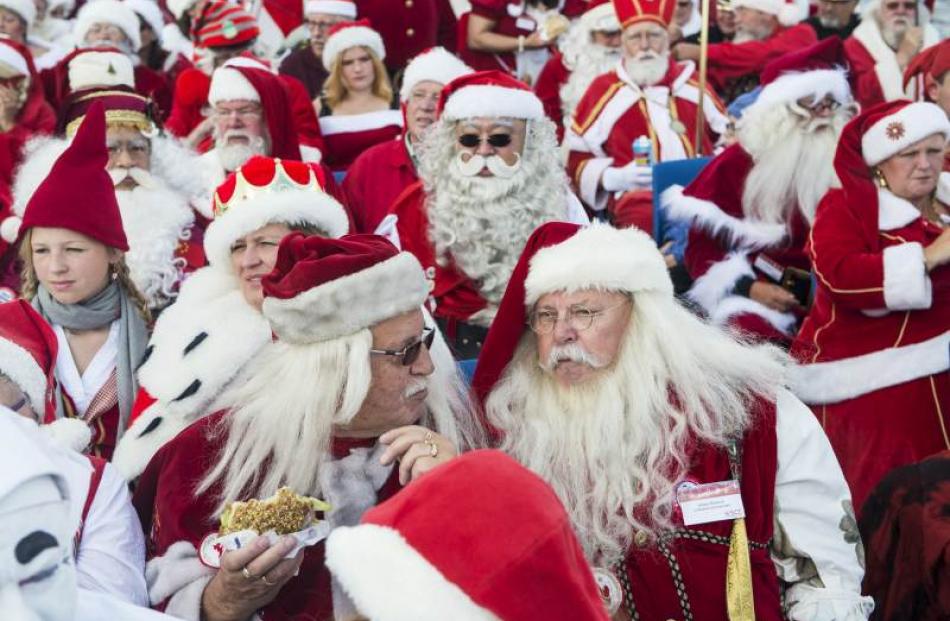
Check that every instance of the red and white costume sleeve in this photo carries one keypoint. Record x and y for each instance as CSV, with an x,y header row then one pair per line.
x,y
725,245
615,111
730,61
347,136
873,64
553,76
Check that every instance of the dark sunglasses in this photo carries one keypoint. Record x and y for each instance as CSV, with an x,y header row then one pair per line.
x,y
409,353
470,141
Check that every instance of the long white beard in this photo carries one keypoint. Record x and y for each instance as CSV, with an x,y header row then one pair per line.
x,y
893,32
648,69
231,156
614,449
794,161
483,223
585,60
155,220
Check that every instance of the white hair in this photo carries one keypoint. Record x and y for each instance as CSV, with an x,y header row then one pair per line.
x,y
586,60
793,155
483,223
615,449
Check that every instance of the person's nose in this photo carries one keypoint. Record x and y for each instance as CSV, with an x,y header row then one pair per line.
x,y
564,332
423,366
484,149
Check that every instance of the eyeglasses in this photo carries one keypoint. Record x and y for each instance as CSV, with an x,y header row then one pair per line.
x,y
821,105
244,113
498,141
578,318
409,353
907,6
135,149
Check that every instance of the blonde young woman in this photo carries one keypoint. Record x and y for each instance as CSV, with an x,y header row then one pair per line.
x,y
74,274
356,108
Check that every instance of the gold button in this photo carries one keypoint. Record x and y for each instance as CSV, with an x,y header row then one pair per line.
x,y
410,32
641,538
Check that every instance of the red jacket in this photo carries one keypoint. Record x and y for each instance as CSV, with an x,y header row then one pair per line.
x,y
730,61
409,27
548,89
374,181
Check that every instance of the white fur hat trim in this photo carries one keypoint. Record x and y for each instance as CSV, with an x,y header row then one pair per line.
x,y
943,188
10,228
13,59
435,65
108,12
149,11
493,102
178,7
100,69
599,257
288,207
788,13
24,8
896,132
345,306
230,85
69,433
343,8
793,86
602,17
20,366
352,36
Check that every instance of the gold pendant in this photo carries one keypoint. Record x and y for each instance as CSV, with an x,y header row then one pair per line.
x,y
678,126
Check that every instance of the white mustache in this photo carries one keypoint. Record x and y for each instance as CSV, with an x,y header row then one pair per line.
x,y
572,352
140,176
493,163
415,388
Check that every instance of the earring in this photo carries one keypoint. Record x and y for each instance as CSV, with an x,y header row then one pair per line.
x,y
879,177
113,272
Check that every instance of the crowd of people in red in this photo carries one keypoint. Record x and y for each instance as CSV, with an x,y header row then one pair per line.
x,y
560,309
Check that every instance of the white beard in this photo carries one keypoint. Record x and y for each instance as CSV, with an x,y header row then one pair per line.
x,y
155,221
614,449
586,61
794,161
647,72
483,223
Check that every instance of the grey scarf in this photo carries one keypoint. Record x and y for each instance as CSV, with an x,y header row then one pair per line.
x,y
95,312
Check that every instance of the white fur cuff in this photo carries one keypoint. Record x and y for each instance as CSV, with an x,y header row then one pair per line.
x,y
180,578
719,280
707,215
906,283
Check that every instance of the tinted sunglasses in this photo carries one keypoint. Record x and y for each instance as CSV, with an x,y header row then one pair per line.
x,y
409,353
470,141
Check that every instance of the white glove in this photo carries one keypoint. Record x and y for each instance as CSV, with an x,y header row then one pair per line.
x,y
633,176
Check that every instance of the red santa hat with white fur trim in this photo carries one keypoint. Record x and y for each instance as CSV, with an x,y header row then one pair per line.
x,y
343,8
521,558
433,65
788,12
345,35
489,94
28,349
815,71
24,8
113,12
898,126
323,289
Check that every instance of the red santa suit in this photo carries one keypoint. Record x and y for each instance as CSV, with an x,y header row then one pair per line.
x,y
548,89
875,72
409,27
874,345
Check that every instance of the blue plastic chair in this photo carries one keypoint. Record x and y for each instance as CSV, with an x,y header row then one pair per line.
x,y
339,176
665,174
467,367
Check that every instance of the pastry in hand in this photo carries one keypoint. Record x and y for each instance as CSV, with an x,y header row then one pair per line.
x,y
285,512
555,26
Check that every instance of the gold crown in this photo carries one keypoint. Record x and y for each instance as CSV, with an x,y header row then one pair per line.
x,y
280,182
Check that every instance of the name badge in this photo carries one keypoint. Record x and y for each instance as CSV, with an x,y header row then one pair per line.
x,y
769,267
711,502
526,23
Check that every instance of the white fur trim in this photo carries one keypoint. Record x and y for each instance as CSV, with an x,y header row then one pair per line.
x,y
109,12
589,186
838,380
787,13
791,87
888,72
178,7
893,212
602,257
101,69
290,207
349,304
389,580
20,366
10,229
353,123
229,84
707,215
343,8
712,287
435,65
39,155
737,305
24,8
152,430
896,132
906,283
149,11
352,36
492,102
69,433
943,188
180,578
13,59
602,17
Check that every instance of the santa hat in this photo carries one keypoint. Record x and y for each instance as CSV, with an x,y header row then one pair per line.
x,y
345,35
933,61
247,79
521,558
433,65
266,191
28,349
26,9
870,138
600,16
631,12
788,12
565,257
98,68
490,94
223,24
814,71
16,58
149,11
343,8
323,289
112,12
78,193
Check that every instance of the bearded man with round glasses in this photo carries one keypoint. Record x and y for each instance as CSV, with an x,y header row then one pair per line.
x,y
752,207
490,174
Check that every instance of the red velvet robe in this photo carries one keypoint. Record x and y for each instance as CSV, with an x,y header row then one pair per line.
x,y
170,513
375,180
548,89
874,345
409,27
348,136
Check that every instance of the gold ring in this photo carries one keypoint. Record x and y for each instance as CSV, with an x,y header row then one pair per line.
x,y
246,573
428,438
433,450
267,582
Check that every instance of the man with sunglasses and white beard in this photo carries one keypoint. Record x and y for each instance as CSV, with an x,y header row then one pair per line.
x,y
348,403
490,174
891,34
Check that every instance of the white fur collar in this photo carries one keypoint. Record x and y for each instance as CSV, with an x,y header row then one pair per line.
x,y
893,212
